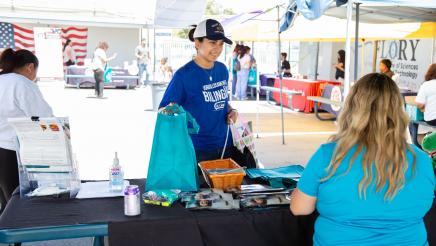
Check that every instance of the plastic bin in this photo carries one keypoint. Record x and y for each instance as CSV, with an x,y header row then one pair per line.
x,y
222,181
157,93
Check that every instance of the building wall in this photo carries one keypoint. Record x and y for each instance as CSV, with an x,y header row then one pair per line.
x,y
122,41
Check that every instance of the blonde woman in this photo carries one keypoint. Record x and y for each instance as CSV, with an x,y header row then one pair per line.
x,y
369,186
99,62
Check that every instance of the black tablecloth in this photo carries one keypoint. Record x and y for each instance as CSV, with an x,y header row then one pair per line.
x,y
171,226
267,227
430,224
47,211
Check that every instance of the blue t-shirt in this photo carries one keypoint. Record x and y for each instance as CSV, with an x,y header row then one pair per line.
x,y
346,219
203,93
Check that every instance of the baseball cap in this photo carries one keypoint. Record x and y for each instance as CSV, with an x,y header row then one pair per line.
x,y
211,29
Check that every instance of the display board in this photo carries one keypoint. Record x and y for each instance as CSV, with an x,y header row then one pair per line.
x,y
410,59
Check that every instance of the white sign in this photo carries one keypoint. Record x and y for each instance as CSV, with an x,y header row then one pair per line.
x,y
48,49
336,95
410,59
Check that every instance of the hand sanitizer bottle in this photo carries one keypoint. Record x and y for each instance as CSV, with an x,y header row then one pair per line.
x,y
116,175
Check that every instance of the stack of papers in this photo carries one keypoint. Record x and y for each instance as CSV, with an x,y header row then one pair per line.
x,y
98,189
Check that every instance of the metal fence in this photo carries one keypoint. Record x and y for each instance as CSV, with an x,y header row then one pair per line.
x,y
179,52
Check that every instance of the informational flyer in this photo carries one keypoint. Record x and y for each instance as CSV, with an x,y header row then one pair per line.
x,y
45,157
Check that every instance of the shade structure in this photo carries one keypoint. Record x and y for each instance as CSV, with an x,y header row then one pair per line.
x,y
129,14
329,29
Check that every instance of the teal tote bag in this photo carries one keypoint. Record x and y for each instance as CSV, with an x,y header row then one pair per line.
x,y
173,164
252,77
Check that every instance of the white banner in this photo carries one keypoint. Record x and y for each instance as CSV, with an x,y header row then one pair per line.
x,y
48,49
410,59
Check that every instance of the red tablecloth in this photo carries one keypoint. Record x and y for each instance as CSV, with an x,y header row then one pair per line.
x,y
308,87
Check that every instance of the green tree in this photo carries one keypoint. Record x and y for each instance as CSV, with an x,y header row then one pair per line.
x,y
228,11
212,9
182,33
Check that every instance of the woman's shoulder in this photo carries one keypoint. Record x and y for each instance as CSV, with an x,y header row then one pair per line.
x,y
188,67
424,164
328,147
429,84
15,78
18,81
420,154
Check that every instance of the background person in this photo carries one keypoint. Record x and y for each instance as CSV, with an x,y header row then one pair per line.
x,y
244,60
168,74
69,53
99,62
340,66
234,61
426,98
163,64
385,67
20,97
143,58
252,59
369,185
286,67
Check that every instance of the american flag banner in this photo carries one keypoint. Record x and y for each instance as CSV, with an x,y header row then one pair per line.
x,y
16,37
79,38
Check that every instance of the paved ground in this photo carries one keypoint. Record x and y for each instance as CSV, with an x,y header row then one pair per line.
x,y
123,122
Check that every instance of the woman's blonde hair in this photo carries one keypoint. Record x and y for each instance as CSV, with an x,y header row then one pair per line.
x,y
373,119
103,45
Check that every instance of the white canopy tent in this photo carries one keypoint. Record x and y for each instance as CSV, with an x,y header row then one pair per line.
x,y
401,19
377,11
332,30
133,13
120,22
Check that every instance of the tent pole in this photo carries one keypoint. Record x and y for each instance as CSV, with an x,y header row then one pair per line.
x,y
252,48
348,48
257,100
289,51
148,38
432,50
257,93
374,56
362,59
154,53
356,43
280,74
316,61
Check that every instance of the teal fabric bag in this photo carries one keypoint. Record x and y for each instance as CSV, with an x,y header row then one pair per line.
x,y
173,164
107,75
292,172
281,177
252,77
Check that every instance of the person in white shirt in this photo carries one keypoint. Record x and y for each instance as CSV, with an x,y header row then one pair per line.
x,y
160,73
143,58
426,98
69,53
242,80
19,97
99,63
